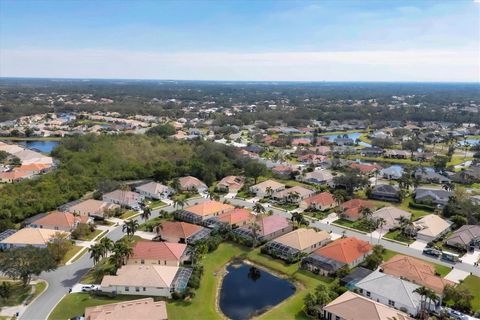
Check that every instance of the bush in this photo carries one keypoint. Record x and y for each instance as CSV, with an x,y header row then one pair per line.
x,y
420,206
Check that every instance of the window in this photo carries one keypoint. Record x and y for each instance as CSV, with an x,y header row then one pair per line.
x,y
144,289
337,318
127,289
391,303
368,293
137,289
142,261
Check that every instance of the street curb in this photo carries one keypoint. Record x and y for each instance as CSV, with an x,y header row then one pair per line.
x,y
56,304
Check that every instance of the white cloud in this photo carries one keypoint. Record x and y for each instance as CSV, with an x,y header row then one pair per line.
x,y
412,65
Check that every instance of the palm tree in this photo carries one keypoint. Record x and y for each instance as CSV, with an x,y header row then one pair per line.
x,y
380,223
424,294
338,197
95,253
121,250
178,202
147,212
258,208
130,227
366,212
269,192
294,196
213,196
255,229
106,244
406,226
176,184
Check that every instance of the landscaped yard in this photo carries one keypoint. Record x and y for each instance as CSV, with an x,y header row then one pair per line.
x,y
128,214
398,236
18,294
357,225
92,235
70,253
156,204
472,283
416,213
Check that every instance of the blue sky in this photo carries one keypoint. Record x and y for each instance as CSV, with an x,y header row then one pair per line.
x,y
242,40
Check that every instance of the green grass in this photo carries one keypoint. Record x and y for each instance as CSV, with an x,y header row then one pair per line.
x,y
70,253
74,304
472,283
92,235
357,225
388,160
80,254
416,213
398,236
39,288
156,204
128,214
18,294
456,160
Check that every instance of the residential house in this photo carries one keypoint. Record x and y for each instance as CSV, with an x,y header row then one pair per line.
x,y
351,209
145,309
14,176
392,172
92,208
293,194
190,183
56,220
322,150
293,245
318,177
391,215
466,237
392,291
267,188
321,201
352,306
366,168
236,218
203,211
396,154
231,184
468,176
160,253
432,196
282,171
431,227
385,192
181,232
416,271
154,190
371,151
124,198
270,227
337,254
315,159
146,280
35,237
428,175
301,142
33,168
339,141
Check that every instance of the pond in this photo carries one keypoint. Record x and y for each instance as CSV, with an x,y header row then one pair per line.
x,y
248,291
353,135
42,146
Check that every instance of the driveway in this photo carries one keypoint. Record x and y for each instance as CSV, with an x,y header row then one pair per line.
x,y
471,257
457,275
419,245
330,218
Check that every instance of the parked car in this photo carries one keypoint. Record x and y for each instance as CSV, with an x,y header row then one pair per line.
x,y
88,288
432,252
456,314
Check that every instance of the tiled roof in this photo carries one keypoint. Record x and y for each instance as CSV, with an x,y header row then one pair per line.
x,y
154,250
142,276
32,236
323,198
60,219
415,270
345,250
179,229
235,216
209,207
145,309
302,238
273,223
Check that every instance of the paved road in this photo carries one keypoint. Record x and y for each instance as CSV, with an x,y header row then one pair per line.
x,y
62,279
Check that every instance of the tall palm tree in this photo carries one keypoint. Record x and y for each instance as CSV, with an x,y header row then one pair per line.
x,y
179,203
106,244
213,196
122,250
176,184
147,212
258,208
293,197
380,223
95,253
130,227
424,293
269,191
338,197
255,229
366,212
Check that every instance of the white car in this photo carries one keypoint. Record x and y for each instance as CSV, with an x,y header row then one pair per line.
x,y
89,288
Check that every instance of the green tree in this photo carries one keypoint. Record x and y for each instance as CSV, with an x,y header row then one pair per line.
x,y
5,290
255,169
130,227
23,263
59,245
96,251
163,130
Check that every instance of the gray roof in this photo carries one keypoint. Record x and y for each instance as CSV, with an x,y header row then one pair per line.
x,y
464,235
391,287
385,189
437,194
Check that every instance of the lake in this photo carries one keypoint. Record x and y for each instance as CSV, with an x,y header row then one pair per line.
x,y
42,146
353,135
248,291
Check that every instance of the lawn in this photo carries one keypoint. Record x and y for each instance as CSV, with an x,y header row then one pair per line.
x,y
472,283
156,204
39,288
456,160
18,294
74,304
70,253
398,236
92,235
357,225
388,160
416,213
128,214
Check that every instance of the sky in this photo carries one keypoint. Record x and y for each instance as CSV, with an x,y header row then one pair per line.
x,y
342,40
